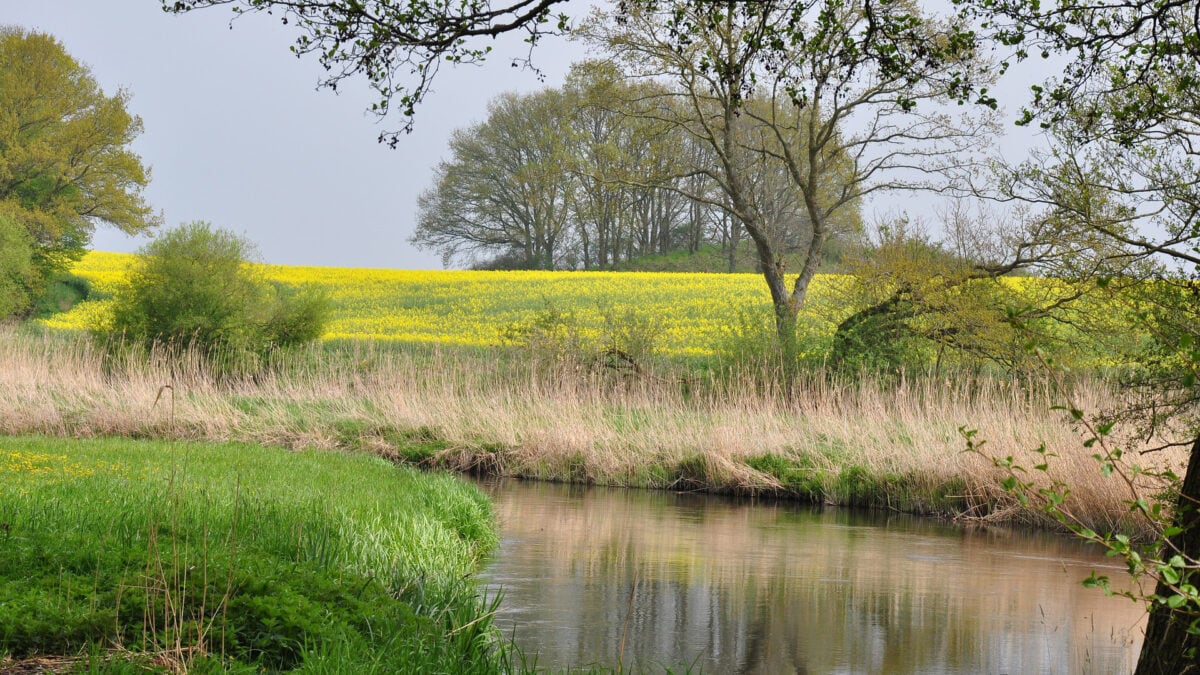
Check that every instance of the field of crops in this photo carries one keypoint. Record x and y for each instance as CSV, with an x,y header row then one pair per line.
x,y
695,314
696,311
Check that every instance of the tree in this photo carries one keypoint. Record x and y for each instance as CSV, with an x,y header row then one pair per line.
x,y
627,205
1121,177
65,164
547,181
924,300
840,99
1136,208
507,187
192,287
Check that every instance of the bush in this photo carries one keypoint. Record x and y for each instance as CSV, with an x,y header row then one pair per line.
x,y
194,286
625,342
298,317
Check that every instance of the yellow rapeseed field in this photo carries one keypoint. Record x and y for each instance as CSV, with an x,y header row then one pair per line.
x,y
475,308
695,313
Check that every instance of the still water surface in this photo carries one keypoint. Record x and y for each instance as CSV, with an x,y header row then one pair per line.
x,y
657,579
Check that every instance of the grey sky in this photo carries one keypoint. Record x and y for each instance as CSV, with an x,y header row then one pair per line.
x,y
236,133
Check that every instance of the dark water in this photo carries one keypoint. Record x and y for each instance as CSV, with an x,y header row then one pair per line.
x,y
654,579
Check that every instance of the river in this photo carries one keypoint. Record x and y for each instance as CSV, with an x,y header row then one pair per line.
x,y
652,580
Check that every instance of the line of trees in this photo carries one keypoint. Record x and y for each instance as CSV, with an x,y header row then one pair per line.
x,y
593,175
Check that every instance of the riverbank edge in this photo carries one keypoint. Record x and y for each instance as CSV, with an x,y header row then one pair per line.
x,y
814,476
807,477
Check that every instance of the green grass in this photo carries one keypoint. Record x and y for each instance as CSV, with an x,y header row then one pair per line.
x,y
232,556
62,294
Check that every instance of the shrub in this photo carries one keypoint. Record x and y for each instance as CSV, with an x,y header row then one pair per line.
x,y
625,342
194,286
299,315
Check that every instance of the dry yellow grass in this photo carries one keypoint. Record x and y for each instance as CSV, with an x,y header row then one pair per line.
x,y
467,410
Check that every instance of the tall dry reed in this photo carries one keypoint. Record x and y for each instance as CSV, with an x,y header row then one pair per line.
x,y
514,417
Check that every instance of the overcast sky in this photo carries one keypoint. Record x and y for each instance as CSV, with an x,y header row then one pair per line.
x,y
237,134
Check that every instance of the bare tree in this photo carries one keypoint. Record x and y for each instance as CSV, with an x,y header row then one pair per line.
x,y
506,189
841,97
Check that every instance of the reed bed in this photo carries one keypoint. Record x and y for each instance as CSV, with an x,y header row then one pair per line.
x,y
895,444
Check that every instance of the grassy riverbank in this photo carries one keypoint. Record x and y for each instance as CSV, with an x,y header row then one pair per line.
x,y
231,556
892,445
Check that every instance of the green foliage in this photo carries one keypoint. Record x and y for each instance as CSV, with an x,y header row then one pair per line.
x,y
63,293
626,342
878,339
750,348
193,286
798,475
16,267
219,551
64,159
298,316
706,258
503,189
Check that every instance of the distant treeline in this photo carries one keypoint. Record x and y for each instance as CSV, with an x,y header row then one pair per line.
x,y
570,178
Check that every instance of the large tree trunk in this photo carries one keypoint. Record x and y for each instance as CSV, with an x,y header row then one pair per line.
x,y
1169,649
786,316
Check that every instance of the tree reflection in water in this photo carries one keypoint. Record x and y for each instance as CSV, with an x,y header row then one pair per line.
x,y
733,586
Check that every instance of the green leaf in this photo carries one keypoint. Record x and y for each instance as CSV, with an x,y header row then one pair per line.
x,y
1169,574
1176,601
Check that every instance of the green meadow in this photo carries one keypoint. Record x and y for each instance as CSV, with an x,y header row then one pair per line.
x,y
119,554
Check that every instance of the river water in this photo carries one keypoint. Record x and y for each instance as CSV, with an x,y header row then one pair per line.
x,y
652,580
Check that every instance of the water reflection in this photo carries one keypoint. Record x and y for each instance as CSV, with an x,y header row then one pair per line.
x,y
596,576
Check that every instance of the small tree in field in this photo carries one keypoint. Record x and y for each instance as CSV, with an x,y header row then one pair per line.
x,y
194,286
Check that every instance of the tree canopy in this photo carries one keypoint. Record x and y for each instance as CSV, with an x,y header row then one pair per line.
x,y
65,162
577,177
